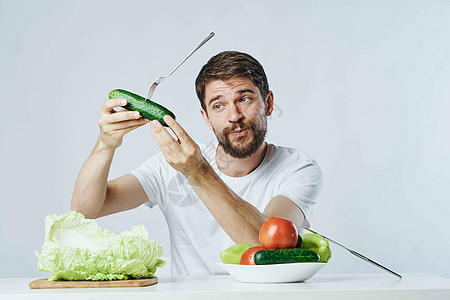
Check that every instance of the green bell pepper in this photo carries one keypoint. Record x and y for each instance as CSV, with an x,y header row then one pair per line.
x,y
233,254
317,244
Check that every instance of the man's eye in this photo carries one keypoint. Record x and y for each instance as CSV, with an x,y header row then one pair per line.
x,y
217,106
244,99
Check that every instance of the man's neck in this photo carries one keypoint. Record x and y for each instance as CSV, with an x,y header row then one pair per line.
x,y
238,167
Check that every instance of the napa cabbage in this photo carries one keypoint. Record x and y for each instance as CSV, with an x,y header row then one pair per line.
x,y
76,248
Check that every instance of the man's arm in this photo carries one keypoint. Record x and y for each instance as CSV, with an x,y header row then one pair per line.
x,y
240,220
281,206
93,195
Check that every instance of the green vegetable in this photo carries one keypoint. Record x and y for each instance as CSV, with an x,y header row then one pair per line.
x,y
299,241
317,244
233,254
284,256
76,248
148,109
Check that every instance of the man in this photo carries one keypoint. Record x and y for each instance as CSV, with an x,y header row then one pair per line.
x,y
212,196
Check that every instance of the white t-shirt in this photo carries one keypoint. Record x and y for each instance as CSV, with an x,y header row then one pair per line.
x,y
196,238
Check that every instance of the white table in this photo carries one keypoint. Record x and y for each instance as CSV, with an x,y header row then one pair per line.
x,y
330,286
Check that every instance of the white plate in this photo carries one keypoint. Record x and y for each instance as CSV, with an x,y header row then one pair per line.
x,y
295,272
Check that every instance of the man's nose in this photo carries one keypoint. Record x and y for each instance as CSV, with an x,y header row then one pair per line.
x,y
235,113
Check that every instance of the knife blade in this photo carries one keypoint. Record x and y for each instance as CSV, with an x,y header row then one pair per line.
x,y
359,255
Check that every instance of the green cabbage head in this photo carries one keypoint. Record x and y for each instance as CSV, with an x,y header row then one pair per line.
x,y
76,248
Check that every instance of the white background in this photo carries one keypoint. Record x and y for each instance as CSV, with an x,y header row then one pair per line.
x,y
362,86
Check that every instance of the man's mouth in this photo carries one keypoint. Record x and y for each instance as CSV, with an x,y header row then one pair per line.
x,y
239,132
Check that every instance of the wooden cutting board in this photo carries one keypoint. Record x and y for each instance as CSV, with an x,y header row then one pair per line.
x,y
61,284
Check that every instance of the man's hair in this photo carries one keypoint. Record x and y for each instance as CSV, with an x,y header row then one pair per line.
x,y
229,64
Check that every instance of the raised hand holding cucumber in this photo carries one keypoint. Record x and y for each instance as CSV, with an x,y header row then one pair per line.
x,y
115,124
183,154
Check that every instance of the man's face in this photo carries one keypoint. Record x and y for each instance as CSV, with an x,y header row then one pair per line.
x,y
236,112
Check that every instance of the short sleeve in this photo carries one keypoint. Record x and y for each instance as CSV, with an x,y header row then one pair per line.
x,y
303,185
149,174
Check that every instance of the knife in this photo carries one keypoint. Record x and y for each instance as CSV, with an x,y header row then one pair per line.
x,y
359,255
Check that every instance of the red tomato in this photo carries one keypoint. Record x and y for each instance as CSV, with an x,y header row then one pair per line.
x,y
249,254
278,233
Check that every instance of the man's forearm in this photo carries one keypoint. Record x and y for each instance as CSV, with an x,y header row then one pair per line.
x,y
91,185
240,220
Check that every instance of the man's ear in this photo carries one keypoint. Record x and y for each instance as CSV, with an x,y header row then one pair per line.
x,y
269,103
205,117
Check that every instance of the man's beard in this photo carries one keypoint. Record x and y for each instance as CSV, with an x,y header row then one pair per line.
x,y
258,129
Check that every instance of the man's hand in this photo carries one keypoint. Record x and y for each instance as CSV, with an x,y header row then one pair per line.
x,y
183,154
115,124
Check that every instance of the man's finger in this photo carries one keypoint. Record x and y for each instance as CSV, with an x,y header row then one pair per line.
x,y
157,135
123,126
112,103
177,129
128,129
164,136
124,115
127,124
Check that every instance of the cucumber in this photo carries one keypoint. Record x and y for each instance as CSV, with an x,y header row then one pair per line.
x,y
285,256
148,109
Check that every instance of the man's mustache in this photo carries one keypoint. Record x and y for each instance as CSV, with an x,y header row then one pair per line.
x,y
238,125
